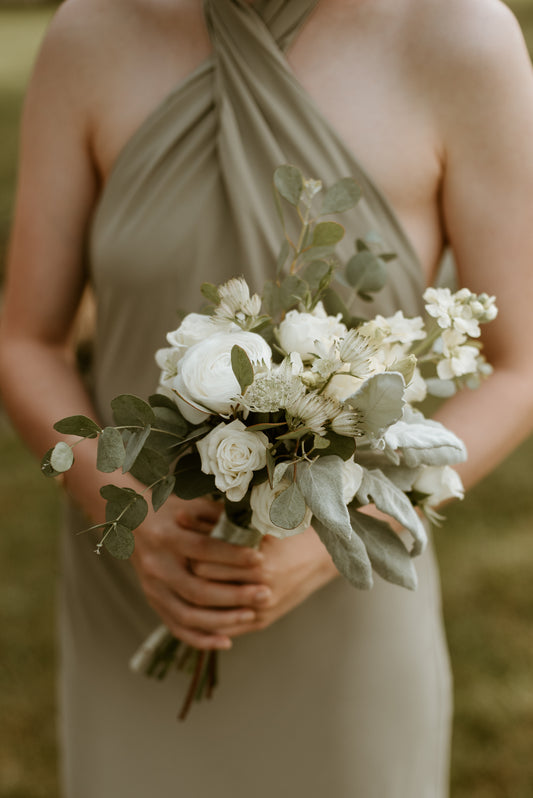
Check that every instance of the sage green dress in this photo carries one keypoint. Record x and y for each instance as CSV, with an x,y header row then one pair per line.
x,y
348,696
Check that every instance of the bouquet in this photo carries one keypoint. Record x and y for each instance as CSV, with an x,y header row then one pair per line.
x,y
293,412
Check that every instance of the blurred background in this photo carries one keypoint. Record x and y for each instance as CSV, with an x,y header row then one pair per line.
x,y
484,549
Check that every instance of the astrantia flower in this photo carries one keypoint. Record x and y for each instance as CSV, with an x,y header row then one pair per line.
x,y
313,411
347,422
272,391
236,302
360,352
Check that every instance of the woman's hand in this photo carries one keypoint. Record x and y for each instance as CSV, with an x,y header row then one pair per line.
x,y
290,571
197,609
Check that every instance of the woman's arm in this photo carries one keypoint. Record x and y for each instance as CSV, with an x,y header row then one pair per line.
x,y
57,190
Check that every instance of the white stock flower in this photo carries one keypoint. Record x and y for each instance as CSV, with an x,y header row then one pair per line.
x,y
464,311
205,376
440,305
261,499
398,329
440,483
457,357
232,454
300,332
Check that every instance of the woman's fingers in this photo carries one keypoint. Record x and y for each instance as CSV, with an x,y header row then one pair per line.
x,y
207,593
227,573
196,546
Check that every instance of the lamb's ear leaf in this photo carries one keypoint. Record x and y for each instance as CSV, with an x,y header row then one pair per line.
x,y
349,555
389,557
321,485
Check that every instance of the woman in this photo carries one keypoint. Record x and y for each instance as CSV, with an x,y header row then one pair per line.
x,y
150,134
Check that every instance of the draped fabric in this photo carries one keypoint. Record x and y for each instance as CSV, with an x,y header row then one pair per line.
x,y
348,695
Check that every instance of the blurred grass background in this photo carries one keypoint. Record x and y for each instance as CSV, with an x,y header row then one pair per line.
x,y
485,553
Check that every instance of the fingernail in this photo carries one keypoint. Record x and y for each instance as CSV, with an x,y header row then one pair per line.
x,y
255,557
246,617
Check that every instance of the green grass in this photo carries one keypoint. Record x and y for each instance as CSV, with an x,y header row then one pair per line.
x,y
484,549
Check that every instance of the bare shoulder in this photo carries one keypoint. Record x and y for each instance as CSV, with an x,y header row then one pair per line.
x,y
466,44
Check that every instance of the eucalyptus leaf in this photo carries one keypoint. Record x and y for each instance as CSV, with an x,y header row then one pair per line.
x,y
78,425
316,253
389,557
288,180
376,488
340,445
271,298
292,290
321,485
210,292
366,272
327,234
271,466
150,466
162,491
288,508
46,466
191,482
134,445
161,400
119,541
348,554
333,305
131,411
110,453
379,401
283,255
124,506
315,273
242,367
341,196
61,457
170,420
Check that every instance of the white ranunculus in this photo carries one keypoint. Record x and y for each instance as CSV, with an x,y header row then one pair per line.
x,y
261,499
232,454
194,328
352,476
300,332
341,386
205,377
440,483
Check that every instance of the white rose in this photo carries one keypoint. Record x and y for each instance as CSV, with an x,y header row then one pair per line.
x,y
205,377
261,499
440,483
232,454
194,328
300,332
352,476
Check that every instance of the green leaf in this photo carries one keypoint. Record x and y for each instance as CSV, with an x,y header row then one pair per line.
x,y
321,485
288,508
294,434
191,482
162,491
389,557
348,554
111,452
170,420
242,367
150,466
366,273
46,466
271,465
61,457
160,400
340,445
327,234
341,196
131,411
316,273
333,304
210,292
134,445
124,506
376,488
316,253
78,425
379,401
119,541
283,255
292,290
289,182
271,298
321,443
